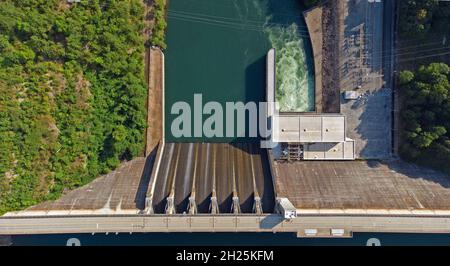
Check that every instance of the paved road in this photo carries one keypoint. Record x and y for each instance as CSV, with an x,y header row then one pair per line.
x,y
389,66
265,223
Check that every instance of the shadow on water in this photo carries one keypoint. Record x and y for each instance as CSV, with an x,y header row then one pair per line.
x,y
285,12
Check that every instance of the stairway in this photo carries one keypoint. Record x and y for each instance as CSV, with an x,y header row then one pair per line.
x,y
295,152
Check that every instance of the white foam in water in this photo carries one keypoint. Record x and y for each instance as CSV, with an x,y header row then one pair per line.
x,y
295,90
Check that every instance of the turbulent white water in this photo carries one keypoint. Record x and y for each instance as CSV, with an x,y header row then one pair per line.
x,y
295,84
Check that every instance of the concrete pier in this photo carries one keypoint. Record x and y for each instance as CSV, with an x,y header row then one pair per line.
x,y
155,105
313,19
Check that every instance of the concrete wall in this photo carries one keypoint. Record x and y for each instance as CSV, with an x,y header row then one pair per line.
x,y
330,151
313,18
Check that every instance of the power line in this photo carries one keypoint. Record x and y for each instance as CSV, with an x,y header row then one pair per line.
x,y
228,25
405,59
406,53
238,23
421,57
199,15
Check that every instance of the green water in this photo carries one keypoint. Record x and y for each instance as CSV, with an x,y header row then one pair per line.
x,y
218,48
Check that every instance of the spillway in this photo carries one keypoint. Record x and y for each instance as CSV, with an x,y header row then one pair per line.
x,y
211,178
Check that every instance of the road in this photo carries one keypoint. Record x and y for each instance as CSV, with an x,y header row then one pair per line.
x,y
182,223
389,67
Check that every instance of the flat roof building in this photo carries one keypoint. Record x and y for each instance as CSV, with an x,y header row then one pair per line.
x,y
308,128
320,136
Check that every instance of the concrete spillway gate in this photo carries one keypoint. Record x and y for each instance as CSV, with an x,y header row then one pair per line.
x,y
211,178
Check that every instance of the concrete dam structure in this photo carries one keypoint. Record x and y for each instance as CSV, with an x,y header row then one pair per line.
x,y
210,178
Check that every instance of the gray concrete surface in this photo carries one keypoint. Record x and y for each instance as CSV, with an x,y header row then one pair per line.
x,y
361,65
264,223
363,185
196,171
121,191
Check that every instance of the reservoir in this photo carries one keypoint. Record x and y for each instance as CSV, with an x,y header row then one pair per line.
x,y
218,48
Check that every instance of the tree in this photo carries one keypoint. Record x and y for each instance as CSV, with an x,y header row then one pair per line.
x,y
405,77
426,113
419,17
159,24
72,95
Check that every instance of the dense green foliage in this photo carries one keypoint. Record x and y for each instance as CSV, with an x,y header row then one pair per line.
x,y
418,17
425,92
159,24
426,115
72,94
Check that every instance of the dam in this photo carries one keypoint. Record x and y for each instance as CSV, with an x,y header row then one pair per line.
x,y
232,185
223,175
212,178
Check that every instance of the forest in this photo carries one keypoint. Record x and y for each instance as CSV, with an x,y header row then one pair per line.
x,y
426,115
72,94
425,90
420,17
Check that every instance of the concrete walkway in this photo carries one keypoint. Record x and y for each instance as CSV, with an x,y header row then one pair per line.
x,y
155,117
323,225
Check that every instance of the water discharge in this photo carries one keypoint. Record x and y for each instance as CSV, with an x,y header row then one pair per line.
x,y
294,82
